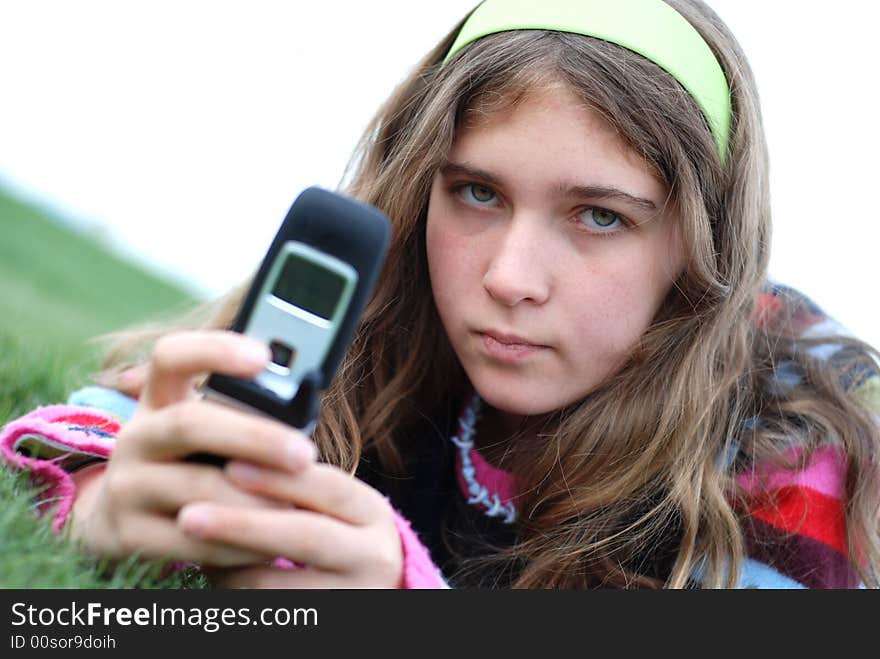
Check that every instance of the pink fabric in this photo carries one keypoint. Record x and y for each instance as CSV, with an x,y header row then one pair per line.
x,y
825,474
74,429
419,571
496,480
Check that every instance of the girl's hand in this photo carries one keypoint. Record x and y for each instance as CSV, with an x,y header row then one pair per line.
x,y
341,529
132,507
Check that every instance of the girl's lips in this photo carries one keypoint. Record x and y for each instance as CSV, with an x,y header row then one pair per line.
x,y
507,348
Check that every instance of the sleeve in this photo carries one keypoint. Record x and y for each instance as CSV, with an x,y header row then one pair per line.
x,y
52,442
419,571
795,520
795,525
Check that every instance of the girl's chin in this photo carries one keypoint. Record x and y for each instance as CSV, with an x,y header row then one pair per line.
x,y
519,402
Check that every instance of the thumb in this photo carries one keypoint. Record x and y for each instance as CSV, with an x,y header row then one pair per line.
x,y
179,358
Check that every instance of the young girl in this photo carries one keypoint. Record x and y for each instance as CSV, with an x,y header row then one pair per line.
x,y
573,372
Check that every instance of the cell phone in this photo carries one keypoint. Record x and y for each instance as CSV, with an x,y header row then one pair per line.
x,y
305,303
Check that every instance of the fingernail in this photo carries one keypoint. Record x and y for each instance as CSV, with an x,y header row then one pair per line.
x,y
256,353
300,453
194,519
242,471
128,377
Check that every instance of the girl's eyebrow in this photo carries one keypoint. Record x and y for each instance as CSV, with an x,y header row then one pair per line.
x,y
585,191
460,169
603,192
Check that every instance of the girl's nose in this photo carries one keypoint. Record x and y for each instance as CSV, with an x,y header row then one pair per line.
x,y
519,267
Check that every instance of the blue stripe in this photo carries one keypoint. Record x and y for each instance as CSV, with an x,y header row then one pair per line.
x,y
105,400
755,574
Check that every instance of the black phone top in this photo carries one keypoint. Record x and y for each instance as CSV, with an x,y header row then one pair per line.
x,y
340,226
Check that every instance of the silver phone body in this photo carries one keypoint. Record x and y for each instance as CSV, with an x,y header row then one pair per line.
x,y
298,312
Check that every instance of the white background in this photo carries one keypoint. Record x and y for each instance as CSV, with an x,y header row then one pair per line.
x,y
181,131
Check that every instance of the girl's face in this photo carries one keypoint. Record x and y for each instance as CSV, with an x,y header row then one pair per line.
x,y
549,252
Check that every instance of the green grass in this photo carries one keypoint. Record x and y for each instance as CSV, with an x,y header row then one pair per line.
x,y
58,289
32,556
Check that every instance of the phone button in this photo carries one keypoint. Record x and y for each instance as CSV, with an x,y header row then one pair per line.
x,y
282,356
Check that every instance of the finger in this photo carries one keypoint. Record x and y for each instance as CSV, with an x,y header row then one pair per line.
x,y
204,427
298,535
168,487
156,537
318,487
179,357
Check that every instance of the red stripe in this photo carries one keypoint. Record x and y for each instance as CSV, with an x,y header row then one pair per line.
x,y
767,309
805,511
90,421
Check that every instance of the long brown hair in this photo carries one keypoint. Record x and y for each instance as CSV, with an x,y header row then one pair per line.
x,y
636,468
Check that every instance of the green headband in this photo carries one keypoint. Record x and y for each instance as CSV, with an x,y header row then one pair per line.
x,y
650,28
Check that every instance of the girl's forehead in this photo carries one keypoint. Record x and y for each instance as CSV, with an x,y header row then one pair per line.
x,y
548,115
547,89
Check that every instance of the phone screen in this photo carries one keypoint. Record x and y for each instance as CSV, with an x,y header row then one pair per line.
x,y
309,286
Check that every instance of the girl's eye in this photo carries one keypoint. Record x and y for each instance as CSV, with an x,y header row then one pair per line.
x,y
601,220
477,194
